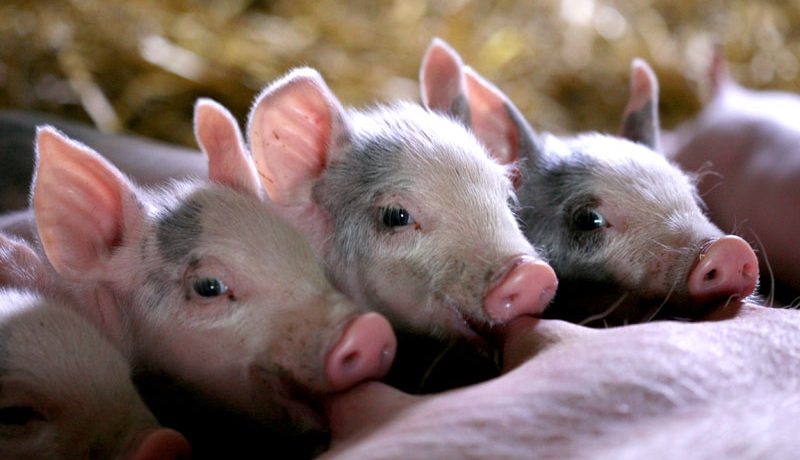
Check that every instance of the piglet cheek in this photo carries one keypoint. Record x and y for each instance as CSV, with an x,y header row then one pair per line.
x,y
364,407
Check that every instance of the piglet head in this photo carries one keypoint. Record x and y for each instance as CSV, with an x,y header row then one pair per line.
x,y
405,206
623,228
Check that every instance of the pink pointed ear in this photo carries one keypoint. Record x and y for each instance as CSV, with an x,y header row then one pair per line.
x,y
640,121
442,81
219,136
296,125
492,118
84,206
718,74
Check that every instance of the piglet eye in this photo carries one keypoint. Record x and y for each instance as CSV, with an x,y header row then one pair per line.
x,y
19,415
396,217
587,219
210,287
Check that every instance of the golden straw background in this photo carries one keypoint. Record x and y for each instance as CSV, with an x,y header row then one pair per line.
x,y
138,66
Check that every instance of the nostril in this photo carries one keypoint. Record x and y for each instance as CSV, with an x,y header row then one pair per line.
x,y
351,359
711,275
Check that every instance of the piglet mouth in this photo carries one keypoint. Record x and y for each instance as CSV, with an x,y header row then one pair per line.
x,y
475,330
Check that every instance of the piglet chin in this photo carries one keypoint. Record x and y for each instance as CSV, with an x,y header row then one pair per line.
x,y
286,401
474,330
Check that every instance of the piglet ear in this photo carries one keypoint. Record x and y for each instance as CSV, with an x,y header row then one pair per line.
x,y
84,207
219,136
718,75
450,87
640,121
442,84
493,120
295,125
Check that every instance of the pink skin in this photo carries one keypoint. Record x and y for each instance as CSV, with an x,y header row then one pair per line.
x,y
525,288
728,267
596,394
744,146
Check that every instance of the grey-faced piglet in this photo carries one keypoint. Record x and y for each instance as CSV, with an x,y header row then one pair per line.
x,y
65,391
212,297
622,226
746,146
405,206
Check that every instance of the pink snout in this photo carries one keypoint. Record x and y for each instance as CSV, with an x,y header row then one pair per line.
x,y
727,268
526,288
162,444
364,352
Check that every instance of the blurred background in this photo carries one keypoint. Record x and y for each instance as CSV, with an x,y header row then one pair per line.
x,y
138,65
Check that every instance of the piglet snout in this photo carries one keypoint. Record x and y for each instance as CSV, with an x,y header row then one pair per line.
x,y
728,267
364,352
162,444
525,288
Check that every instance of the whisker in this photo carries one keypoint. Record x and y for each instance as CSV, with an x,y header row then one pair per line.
x,y
605,313
771,297
652,315
426,376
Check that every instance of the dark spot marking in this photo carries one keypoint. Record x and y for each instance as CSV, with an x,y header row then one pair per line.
x,y
179,231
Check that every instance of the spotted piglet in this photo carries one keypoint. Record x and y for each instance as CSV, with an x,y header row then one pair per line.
x,y
222,308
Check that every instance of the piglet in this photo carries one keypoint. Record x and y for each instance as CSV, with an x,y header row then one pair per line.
x,y
744,147
220,306
622,226
65,391
405,206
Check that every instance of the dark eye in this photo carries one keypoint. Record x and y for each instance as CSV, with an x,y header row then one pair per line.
x,y
19,415
209,287
588,219
396,217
